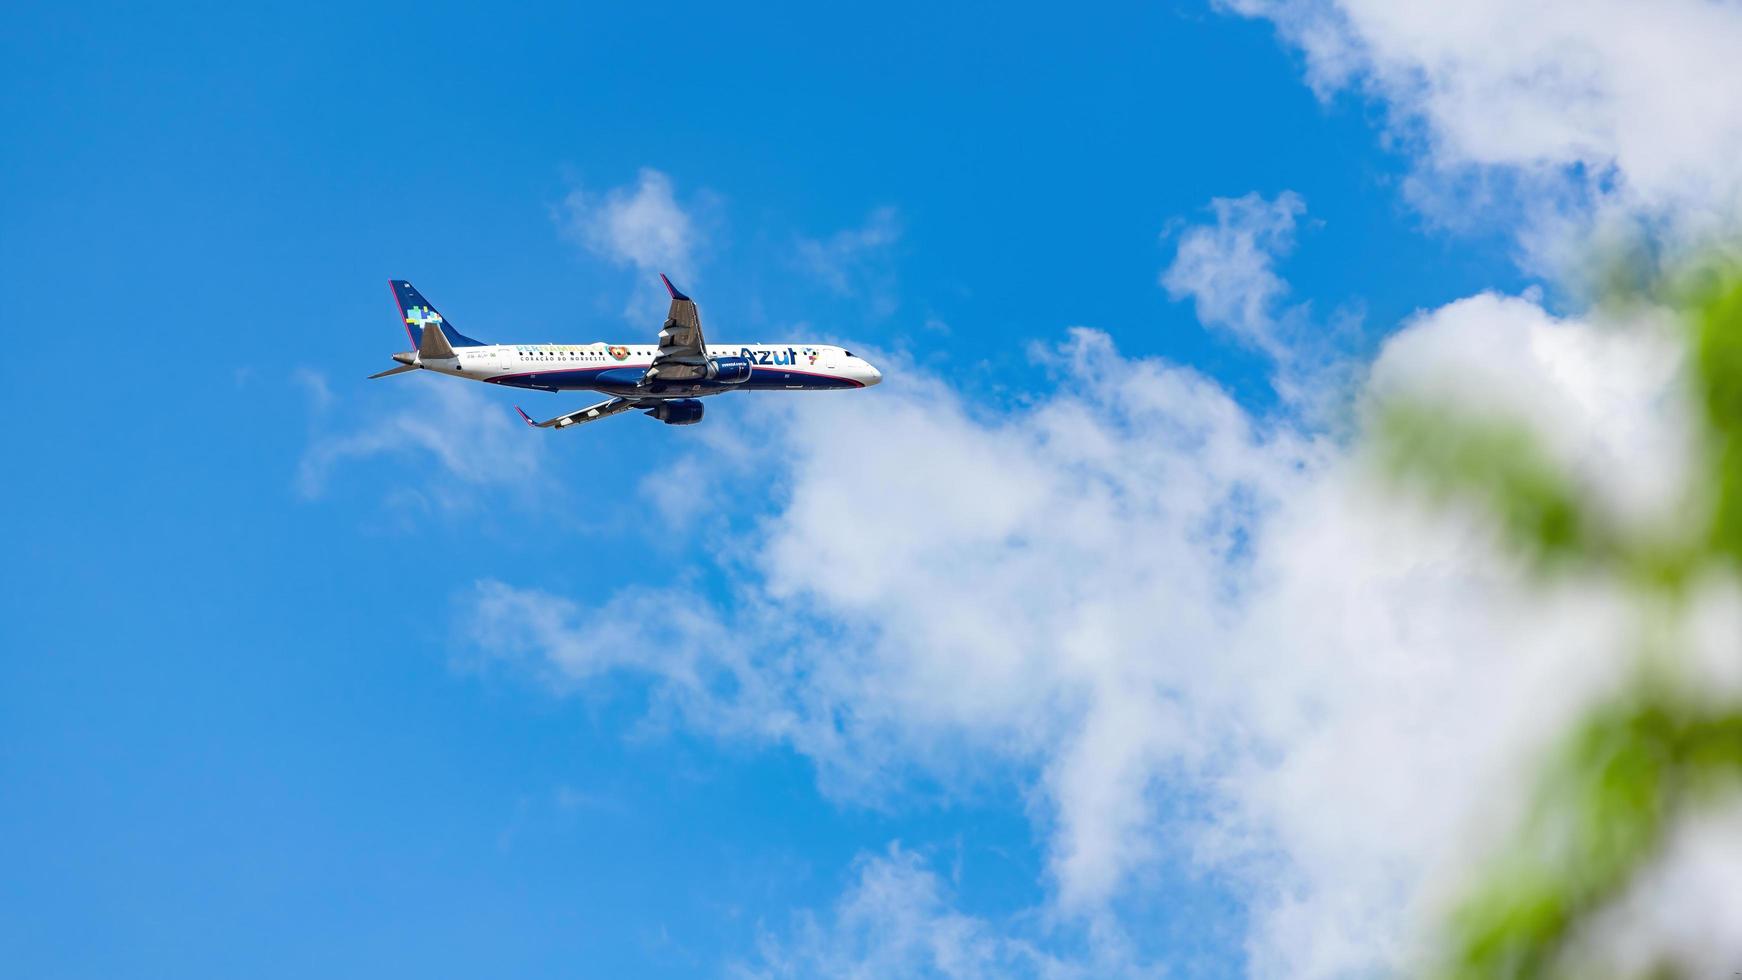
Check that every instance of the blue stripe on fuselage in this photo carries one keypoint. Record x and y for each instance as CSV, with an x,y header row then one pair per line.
x,y
621,379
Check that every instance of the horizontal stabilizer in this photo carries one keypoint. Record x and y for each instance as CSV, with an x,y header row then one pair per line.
x,y
390,372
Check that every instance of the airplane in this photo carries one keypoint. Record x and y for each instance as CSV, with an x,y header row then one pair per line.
x,y
666,380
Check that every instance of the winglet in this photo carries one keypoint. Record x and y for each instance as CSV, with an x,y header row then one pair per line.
x,y
672,289
525,416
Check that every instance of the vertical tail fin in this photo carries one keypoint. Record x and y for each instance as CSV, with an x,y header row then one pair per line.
x,y
418,314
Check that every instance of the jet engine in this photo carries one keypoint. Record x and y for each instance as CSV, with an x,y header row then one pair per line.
x,y
729,370
681,411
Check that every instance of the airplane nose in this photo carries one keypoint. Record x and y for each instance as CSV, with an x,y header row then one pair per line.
x,y
872,375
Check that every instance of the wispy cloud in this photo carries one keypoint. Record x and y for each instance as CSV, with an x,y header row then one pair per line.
x,y
895,920
858,262
320,393
470,441
898,919
1228,269
642,226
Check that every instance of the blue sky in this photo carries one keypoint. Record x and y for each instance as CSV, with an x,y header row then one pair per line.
x,y
243,728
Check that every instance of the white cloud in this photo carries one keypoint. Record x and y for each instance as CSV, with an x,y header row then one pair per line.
x,y
641,226
1489,355
1228,269
1134,590
1572,110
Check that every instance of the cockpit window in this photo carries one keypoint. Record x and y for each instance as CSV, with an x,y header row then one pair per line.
x,y
848,353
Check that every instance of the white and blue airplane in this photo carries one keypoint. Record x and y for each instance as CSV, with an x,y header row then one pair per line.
x,y
666,380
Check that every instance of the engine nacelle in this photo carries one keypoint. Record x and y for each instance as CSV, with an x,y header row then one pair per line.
x,y
729,370
680,411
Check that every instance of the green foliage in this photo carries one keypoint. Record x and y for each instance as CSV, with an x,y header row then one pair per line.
x,y
1718,362
1500,466
1628,770
1604,804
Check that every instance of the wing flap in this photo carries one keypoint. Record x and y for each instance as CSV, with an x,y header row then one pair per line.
x,y
592,413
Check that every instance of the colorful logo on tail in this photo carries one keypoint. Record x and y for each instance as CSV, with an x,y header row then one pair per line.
x,y
422,316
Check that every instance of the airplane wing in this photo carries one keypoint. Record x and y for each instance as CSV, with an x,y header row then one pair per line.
x,y
592,413
681,355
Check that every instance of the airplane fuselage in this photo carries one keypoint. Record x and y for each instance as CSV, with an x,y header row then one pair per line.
x,y
662,380
621,369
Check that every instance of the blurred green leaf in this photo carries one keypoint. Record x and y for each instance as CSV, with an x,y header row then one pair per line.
x,y
1634,765
1498,465
1718,365
1603,807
